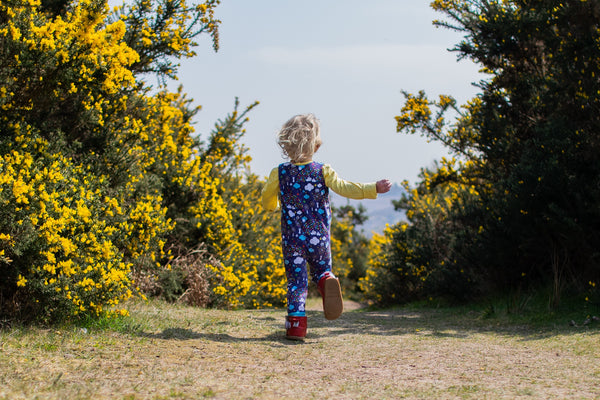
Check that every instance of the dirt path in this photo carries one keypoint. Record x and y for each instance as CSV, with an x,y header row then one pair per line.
x,y
177,352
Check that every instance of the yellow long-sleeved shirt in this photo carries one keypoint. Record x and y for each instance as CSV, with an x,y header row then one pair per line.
x,y
352,190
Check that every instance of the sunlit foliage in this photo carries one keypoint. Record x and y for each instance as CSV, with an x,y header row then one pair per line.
x,y
103,184
349,246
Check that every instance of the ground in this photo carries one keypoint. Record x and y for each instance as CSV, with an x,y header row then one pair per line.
x,y
177,352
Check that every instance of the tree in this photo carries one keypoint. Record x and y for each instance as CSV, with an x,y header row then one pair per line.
x,y
529,142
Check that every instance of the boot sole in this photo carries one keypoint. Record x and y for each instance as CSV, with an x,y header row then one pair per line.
x,y
333,305
299,338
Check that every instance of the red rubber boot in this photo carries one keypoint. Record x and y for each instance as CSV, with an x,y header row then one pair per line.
x,y
295,327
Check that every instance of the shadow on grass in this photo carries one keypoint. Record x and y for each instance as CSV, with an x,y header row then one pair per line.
x,y
445,323
391,322
189,334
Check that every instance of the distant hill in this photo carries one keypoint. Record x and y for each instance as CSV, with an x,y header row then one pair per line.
x,y
380,211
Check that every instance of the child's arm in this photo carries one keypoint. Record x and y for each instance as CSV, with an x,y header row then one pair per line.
x,y
270,192
352,190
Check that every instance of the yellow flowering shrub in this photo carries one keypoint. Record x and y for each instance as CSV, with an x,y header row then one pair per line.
x,y
58,234
160,31
349,246
341,236
82,201
103,184
258,255
228,217
421,256
378,282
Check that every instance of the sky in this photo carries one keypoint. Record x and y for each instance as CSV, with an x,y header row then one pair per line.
x,y
346,61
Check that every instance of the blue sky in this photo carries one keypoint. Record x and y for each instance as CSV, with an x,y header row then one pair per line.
x,y
346,62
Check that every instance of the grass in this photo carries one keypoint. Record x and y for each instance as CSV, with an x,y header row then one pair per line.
x,y
166,351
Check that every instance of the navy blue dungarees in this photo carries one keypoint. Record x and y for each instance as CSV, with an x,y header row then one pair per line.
x,y
305,229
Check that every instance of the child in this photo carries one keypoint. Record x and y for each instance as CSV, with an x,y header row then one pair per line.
x,y
302,186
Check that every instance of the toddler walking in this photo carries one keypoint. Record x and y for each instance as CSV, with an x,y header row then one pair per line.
x,y
301,188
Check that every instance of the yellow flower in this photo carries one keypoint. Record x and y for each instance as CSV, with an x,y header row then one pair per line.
x,y
21,281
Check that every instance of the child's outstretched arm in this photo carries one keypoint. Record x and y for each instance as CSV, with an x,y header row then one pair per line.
x,y
352,190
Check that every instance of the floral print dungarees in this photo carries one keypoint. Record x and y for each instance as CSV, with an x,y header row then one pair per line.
x,y
305,229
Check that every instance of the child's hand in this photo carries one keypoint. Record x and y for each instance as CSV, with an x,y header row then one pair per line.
x,y
383,186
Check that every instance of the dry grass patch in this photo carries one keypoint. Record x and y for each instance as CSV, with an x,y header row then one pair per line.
x,y
177,352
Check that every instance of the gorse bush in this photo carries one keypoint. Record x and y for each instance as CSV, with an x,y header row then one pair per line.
x,y
59,230
227,217
63,222
422,257
521,211
103,185
349,246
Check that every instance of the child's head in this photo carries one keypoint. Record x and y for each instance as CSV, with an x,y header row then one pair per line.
x,y
300,138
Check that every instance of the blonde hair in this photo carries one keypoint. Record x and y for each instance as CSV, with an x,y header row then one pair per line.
x,y
300,137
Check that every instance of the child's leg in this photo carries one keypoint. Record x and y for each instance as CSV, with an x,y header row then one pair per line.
x,y
328,284
297,291
320,262
297,283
